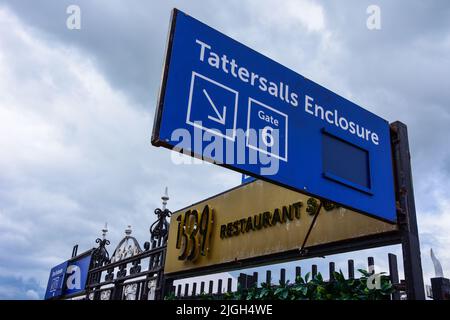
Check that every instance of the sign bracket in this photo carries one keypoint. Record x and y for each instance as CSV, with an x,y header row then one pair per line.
x,y
316,214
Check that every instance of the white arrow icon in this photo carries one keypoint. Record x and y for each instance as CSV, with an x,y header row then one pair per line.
x,y
220,118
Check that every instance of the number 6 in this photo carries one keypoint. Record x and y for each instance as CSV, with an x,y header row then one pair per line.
x,y
267,137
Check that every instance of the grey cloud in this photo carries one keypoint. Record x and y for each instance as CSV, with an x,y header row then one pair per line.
x,y
127,39
18,288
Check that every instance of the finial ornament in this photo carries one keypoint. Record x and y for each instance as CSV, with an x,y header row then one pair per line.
x,y
165,198
128,231
100,256
160,228
105,230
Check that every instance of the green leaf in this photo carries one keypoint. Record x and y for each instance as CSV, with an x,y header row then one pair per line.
x,y
307,276
364,272
299,279
319,277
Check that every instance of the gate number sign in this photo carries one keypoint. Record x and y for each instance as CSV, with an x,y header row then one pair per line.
x,y
226,103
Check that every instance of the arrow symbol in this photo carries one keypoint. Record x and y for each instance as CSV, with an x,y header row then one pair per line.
x,y
220,118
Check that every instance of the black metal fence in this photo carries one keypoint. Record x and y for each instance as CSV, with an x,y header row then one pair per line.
x,y
138,277
197,290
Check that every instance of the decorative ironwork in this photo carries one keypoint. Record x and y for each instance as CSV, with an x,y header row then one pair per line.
x,y
100,256
130,291
109,274
122,271
109,278
147,266
136,268
151,285
127,247
160,228
105,295
95,278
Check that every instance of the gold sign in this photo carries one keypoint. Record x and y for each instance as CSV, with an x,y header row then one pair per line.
x,y
254,220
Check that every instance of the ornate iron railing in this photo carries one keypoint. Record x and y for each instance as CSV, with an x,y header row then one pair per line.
x,y
139,277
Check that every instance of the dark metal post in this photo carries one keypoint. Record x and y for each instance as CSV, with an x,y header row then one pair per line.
x,y
219,287
166,287
313,271
298,272
242,281
230,283
371,265
406,212
268,277
211,283
159,231
202,287
255,279
351,269
282,276
441,288
74,251
393,274
332,270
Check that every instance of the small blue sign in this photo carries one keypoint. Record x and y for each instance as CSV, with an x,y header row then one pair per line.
x,y
56,281
226,103
76,275
69,277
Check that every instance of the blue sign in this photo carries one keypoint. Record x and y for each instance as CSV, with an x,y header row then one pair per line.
x,y
56,281
226,103
68,278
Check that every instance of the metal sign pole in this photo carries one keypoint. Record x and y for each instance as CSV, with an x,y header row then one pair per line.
x,y
407,213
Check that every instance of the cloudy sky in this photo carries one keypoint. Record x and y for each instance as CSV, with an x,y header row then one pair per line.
x,y
77,107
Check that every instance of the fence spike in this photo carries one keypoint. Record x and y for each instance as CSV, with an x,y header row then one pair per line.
x,y
219,287
393,274
268,277
371,264
314,270
332,269
298,272
351,269
230,283
202,287
255,279
211,284
283,275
